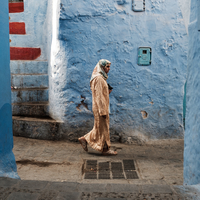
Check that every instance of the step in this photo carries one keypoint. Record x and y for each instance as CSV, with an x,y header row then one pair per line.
x,y
24,53
101,190
17,28
37,128
31,109
16,7
29,95
29,67
29,81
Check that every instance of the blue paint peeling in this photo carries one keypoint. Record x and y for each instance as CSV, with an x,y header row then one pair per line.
x,y
7,160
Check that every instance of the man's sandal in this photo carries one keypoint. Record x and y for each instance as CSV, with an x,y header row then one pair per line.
x,y
110,152
83,143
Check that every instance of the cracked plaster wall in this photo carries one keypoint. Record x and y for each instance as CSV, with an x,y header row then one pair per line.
x,y
147,101
7,160
192,128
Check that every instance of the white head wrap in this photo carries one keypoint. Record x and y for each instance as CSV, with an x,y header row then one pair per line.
x,y
99,69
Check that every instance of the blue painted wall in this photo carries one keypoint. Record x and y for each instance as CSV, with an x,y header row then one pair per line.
x,y
192,129
7,159
96,29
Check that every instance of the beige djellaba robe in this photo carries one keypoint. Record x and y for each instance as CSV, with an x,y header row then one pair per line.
x,y
99,135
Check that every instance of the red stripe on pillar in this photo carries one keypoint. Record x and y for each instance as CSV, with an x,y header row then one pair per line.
x,y
23,53
16,7
17,28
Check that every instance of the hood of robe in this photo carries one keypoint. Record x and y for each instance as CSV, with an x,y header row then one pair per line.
x,y
99,69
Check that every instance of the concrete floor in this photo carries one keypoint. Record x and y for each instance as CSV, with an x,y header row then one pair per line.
x,y
157,162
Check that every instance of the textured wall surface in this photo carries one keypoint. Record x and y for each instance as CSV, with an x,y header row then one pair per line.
x,y
147,101
7,159
192,129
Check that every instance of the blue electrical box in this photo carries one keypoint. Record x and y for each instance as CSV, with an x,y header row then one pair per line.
x,y
144,56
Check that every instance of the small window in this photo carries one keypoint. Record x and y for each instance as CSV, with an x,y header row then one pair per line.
x,y
144,51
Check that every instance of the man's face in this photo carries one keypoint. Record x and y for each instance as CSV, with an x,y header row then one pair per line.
x,y
107,68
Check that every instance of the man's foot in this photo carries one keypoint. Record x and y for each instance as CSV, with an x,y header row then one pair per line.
x,y
109,152
83,143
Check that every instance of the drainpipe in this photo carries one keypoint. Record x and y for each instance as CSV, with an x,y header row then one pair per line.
x,y
184,104
198,15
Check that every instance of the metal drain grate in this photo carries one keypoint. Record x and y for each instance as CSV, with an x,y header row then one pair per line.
x,y
104,170
104,166
131,175
89,175
129,169
110,170
91,163
117,171
129,165
91,169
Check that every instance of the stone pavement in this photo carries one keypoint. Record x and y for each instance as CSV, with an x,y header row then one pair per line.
x,y
158,162
57,170
12,189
